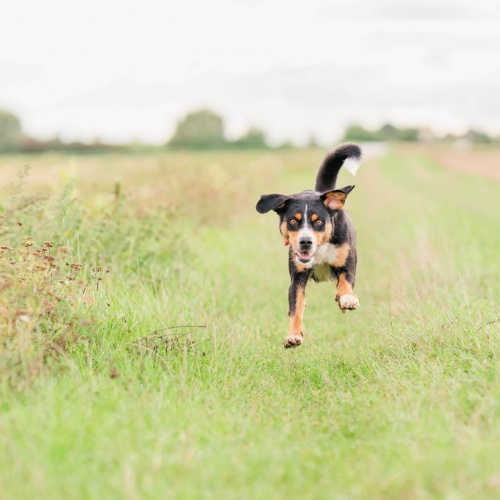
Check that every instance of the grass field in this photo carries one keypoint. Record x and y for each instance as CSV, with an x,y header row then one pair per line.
x,y
400,399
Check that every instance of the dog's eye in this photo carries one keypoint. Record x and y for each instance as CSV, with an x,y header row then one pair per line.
x,y
293,222
319,222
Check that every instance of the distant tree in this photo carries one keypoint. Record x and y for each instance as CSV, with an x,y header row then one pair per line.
x,y
389,132
198,130
32,145
477,137
285,145
253,139
356,132
11,134
408,134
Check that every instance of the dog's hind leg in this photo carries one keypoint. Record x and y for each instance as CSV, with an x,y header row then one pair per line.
x,y
297,304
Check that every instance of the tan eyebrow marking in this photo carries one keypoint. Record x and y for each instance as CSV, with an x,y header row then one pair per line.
x,y
298,216
314,217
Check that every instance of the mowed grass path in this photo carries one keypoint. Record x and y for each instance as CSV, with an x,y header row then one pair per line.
x,y
400,399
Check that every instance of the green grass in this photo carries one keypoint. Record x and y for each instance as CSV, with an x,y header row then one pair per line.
x,y
400,399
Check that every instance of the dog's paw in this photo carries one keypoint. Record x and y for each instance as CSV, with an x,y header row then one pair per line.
x,y
347,302
292,341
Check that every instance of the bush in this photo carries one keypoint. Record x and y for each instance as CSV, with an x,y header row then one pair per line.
x,y
11,135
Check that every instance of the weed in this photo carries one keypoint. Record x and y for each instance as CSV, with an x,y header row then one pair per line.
x,y
44,307
47,298
159,343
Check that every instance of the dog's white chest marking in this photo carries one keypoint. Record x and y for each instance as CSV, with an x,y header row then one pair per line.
x,y
324,257
326,254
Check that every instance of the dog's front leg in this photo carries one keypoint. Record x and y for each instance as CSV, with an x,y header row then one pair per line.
x,y
297,304
346,298
346,276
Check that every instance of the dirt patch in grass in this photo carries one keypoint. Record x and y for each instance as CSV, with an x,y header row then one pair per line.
x,y
480,160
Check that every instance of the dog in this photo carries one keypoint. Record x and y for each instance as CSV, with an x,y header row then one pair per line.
x,y
321,236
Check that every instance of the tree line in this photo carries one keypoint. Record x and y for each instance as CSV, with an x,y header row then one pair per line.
x,y
204,129
390,132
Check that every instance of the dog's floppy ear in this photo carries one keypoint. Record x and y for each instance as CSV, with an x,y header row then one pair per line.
x,y
335,200
274,202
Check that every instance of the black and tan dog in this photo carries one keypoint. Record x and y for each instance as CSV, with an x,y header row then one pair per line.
x,y
321,236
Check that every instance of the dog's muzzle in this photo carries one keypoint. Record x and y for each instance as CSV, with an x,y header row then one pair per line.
x,y
305,251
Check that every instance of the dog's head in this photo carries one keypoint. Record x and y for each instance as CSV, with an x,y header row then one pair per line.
x,y
306,219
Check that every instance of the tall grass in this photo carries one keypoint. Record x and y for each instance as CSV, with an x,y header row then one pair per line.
x,y
175,383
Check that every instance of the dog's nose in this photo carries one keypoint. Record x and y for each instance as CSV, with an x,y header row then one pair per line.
x,y
305,243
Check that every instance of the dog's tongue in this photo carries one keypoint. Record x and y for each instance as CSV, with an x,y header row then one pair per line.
x,y
304,255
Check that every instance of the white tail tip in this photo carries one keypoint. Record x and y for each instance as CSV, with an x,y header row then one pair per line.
x,y
351,165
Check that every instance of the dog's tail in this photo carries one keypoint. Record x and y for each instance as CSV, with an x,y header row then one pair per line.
x,y
348,155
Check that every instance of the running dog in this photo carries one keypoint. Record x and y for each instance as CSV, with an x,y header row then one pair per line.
x,y
321,236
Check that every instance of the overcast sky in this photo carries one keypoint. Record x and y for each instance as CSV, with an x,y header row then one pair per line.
x,y
122,70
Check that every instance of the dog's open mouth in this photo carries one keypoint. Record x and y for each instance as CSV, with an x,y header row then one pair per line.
x,y
304,257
